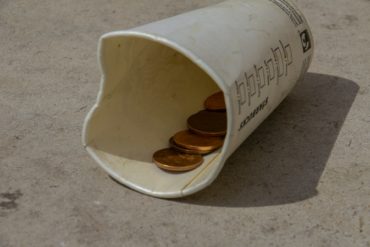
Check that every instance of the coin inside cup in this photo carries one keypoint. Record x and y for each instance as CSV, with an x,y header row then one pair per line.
x,y
187,151
215,102
171,160
208,123
192,141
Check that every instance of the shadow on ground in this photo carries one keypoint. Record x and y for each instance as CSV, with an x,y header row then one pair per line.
x,y
282,161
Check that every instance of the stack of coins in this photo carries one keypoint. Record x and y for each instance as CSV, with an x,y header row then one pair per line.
x,y
205,134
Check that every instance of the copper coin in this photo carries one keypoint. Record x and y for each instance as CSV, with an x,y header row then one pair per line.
x,y
170,160
187,151
189,140
215,102
208,123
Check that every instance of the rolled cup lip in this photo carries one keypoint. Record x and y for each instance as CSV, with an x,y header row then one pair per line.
x,y
223,155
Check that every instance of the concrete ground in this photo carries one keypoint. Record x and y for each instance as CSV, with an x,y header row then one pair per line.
x,y
302,179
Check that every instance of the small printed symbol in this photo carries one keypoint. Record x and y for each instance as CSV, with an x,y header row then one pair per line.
x,y
306,41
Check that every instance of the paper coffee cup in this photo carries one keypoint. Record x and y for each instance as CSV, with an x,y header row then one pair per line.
x,y
156,76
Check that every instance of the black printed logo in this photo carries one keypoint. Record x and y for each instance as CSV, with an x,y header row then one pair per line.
x,y
306,41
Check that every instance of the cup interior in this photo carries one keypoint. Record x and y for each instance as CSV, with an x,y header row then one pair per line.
x,y
148,91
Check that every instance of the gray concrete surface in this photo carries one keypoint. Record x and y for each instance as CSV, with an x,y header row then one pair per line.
x,y
302,179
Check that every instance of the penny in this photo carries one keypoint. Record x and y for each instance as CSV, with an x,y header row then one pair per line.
x,y
208,123
192,141
215,102
170,160
185,150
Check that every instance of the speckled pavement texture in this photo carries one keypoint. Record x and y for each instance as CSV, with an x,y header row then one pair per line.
x,y
302,179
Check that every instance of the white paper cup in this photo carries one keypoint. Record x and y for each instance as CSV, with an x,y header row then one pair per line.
x,y
156,76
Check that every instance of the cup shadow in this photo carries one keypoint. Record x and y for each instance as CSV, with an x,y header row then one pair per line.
x,y
282,161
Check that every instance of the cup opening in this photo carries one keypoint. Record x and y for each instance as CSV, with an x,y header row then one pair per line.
x,y
148,91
